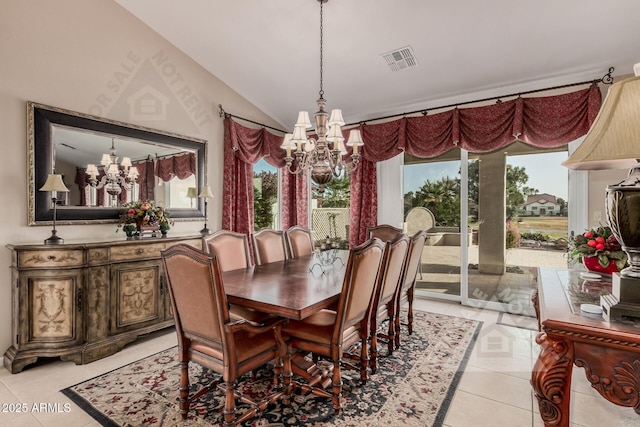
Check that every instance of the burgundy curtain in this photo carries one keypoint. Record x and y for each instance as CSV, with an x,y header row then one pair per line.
x,y
83,183
242,148
295,200
146,179
544,122
181,166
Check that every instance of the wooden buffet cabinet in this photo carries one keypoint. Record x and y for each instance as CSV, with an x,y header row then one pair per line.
x,y
85,301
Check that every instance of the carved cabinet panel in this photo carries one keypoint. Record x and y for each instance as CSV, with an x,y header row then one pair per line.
x,y
137,294
53,308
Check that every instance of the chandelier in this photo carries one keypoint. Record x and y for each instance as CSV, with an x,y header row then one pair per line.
x,y
116,177
324,156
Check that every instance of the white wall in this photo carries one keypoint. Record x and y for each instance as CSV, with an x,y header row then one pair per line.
x,y
390,197
89,56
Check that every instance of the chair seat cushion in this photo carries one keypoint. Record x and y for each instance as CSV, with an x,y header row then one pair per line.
x,y
316,328
237,312
247,345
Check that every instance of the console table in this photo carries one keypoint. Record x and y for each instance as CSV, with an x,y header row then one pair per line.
x,y
84,301
608,351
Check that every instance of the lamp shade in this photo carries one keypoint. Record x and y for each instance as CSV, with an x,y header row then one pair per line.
x,y
206,192
191,192
613,141
355,138
54,183
299,135
304,120
286,142
335,134
336,118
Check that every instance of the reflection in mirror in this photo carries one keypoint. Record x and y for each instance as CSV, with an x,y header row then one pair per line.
x,y
112,171
106,164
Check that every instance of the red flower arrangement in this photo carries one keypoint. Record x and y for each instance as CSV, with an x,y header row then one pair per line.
x,y
144,214
601,245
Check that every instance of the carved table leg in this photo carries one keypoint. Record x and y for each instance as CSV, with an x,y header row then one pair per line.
x,y
551,379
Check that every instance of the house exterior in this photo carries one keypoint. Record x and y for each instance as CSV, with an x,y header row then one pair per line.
x,y
542,205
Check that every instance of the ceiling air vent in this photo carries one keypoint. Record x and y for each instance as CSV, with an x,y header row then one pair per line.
x,y
400,59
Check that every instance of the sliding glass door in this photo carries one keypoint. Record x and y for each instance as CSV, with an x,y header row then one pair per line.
x,y
432,203
512,205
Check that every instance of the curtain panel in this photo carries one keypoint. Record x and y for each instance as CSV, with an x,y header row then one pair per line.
x,y
243,147
545,122
181,166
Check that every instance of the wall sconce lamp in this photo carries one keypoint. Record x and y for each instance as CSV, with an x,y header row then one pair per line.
x,y
205,194
191,193
54,184
613,142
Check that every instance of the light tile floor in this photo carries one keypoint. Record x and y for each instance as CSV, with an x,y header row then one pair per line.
x,y
494,389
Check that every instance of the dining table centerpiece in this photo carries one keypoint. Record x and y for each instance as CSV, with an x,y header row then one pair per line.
x,y
140,216
598,250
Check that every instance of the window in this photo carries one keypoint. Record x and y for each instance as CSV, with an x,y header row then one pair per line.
x,y
330,211
265,195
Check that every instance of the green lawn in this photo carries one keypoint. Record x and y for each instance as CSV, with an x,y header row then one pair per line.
x,y
555,226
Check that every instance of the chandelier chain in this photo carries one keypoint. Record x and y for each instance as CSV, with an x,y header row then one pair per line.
x,y
321,55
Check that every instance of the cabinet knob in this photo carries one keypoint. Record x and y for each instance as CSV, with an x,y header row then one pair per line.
x,y
140,251
51,257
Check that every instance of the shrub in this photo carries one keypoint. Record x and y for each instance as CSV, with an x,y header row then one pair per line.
x,y
538,237
512,238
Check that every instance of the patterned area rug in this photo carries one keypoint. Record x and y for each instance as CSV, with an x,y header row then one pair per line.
x,y
413,387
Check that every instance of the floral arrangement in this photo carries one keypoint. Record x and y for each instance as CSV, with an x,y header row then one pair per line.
x,y
600,243
144,214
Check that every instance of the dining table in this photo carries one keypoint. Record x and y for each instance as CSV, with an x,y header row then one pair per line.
x,y
294,288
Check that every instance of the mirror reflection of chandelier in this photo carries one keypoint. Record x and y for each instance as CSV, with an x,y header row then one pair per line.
x,y
322,160
116,177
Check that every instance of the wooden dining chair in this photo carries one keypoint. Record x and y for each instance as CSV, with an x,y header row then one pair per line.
x,y
384,232
232,250
299,241
405,294
207,336
385,298
330,334
269,245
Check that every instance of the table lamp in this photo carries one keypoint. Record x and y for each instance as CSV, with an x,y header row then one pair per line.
x,y
54,184
191,193
205,194
613,142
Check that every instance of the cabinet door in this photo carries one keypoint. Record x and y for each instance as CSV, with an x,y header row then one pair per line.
x,y
50,309
137,298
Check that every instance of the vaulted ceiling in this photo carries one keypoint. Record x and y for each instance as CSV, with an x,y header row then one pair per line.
x,y
268,51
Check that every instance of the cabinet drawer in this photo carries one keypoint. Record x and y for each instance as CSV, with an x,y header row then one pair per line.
x,y
134,252
50,258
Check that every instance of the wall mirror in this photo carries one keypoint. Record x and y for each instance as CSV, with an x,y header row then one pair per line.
x,y
59,141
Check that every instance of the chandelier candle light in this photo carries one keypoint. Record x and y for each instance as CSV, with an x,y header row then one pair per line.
x,y
115,176
322,160
54,184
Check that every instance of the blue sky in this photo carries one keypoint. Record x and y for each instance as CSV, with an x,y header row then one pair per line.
x,y
546,174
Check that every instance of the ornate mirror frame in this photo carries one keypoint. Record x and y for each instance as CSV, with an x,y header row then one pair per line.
x,y
41,162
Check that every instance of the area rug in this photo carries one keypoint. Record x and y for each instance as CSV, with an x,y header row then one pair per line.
x,y
412,387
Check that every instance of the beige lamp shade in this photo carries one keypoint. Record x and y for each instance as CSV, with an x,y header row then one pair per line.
x,y
206,192
191,192
54,183
303,120
286,141
613,141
